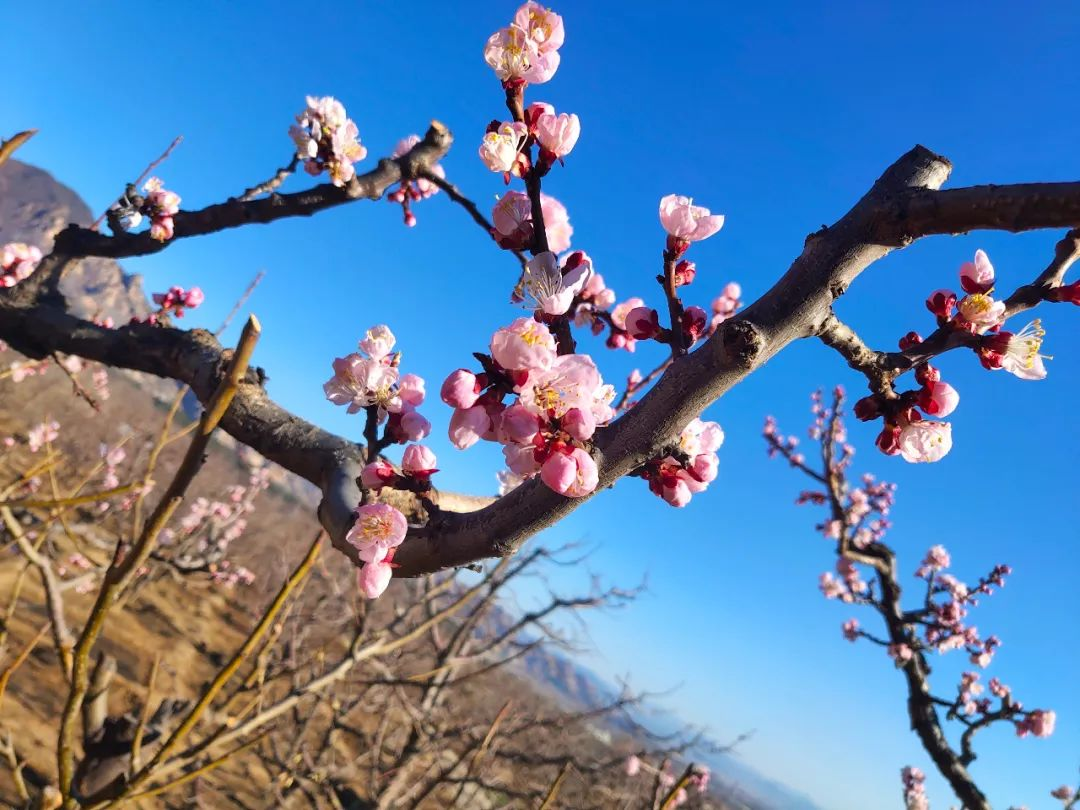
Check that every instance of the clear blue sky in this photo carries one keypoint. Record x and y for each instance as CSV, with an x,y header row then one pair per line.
x,y
778,114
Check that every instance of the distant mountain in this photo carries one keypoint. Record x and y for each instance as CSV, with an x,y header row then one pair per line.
x,y
34,206
575,686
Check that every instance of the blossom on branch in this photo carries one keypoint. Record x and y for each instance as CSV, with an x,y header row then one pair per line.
x,y
686,222
327,140
17,262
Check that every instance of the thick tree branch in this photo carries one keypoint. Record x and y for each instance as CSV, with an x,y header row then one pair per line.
x,y
894,211
77,241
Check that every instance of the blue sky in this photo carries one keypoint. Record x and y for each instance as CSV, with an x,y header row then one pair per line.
x,y
778,114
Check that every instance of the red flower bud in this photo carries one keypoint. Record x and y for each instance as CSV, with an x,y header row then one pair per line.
x,y
926,374
685,271
868,408
910,340
1069,293
942,303
694,323
888,441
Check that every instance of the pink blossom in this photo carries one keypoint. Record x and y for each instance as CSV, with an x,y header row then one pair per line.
x,y
572,473
543,26
461,389
373,579
418,461
515,57
686,222
572,381
977,276
327,140
556,223
925,441
1065,793
633,765
468,425
675,491
412,390
378,528
900,653
524,345
580,424
360,382
378,342
551,288
41,434
557,134
618,315
1039,722
17,262
1016,353
508,480
981,312
500,150
512,218
851,630
518,425
938,399
411,426
521,460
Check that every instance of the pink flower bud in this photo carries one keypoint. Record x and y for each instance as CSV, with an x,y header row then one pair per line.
x,y
941,303
579,424
694,322
418,461
643,323
468,425
938,399
373,579
685,271
193,298
460,390
977,276
573,474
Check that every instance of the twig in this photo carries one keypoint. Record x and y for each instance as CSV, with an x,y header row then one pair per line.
x,y
124,568
454,193
8,147
144,714
266,186
553,791
230,668
20,659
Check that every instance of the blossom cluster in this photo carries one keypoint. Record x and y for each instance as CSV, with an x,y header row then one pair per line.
x,y
527,50
913,781
411,191
506,145
687,467
174,301
42,434
327,140
375,382
17,262
559,401
376,533
157,203
160,205
978,318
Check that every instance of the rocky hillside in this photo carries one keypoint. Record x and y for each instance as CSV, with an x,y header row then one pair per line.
x,y
33,207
